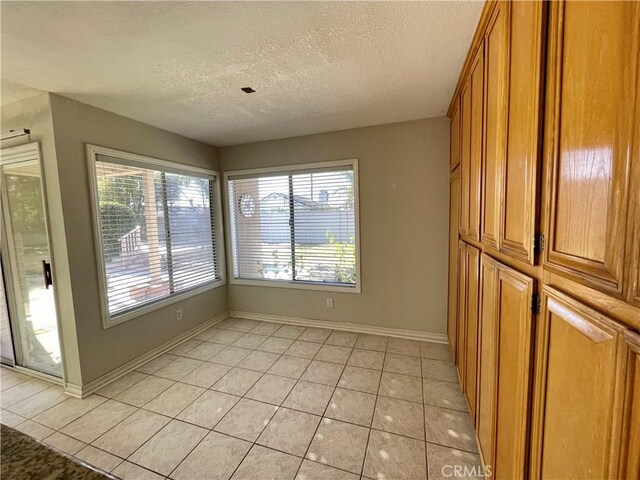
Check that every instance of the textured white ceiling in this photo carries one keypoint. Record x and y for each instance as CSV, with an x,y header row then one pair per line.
x,y
316,66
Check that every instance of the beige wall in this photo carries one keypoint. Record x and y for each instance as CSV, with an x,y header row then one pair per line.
x,y
76,124
35,114
403,175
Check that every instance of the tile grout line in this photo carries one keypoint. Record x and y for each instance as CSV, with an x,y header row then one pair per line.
x,y
375,406
244,397
424,420
267,424
279,406
326,407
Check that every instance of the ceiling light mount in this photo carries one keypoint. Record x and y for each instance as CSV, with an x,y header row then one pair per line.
x,y
248,90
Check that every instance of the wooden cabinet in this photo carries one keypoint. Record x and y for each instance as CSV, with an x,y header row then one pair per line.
x,y
488,365
454,140
454,207
465,157
633,252
471,149
594,49
630,457
505,369
546,123
520,168
468,320
461,336
495,127
578,392
472,291
476,147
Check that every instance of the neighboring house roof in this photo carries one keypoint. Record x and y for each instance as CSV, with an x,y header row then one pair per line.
x,y
283,198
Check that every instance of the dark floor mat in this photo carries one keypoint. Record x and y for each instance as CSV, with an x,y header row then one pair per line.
x,y
24,458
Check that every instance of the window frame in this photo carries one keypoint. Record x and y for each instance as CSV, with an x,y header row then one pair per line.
x,y
293,284
128,158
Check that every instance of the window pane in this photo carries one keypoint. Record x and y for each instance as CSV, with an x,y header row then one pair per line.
x,y
260,223
191,231
308,236
157,233
324,219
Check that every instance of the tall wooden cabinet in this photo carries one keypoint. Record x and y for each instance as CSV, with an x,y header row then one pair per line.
x,y
546,162
505,371
472,317
630,459
521,162
454,209
471,149
591,133
579,391
496,81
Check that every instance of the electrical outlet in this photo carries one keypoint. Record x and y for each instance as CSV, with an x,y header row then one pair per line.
x,y
329,302
179,314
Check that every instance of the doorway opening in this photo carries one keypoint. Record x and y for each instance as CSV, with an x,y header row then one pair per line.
x,y
28,305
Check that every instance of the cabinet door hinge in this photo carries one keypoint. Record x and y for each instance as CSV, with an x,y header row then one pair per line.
x,y
538,243
535,303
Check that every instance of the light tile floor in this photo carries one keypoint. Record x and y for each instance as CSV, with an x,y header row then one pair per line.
x,y
256,400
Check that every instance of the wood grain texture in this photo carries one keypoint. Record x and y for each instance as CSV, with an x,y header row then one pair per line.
x,y
505,368
522,160
454,139
495,127
465,158
488,362
454,207
616,308
578,391
478,39
515,332
630,457
472,292
591,90
462,313
477,148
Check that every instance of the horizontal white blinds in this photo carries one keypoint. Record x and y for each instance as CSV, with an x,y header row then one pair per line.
x,y
157,230
294,227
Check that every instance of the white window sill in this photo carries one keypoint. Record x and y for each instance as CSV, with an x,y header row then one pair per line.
x,y
164,302
299,285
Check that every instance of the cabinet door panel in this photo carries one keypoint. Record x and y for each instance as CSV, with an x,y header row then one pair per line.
x,y
579,377
631,422
515,334
465,157
505,368
454,140
471,356
475,164
495,122
633,274
592,87
462,310
454,205
520,168
488,366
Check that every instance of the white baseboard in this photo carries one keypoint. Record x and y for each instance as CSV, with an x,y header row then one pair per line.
x,y
73,390
113,375
353,327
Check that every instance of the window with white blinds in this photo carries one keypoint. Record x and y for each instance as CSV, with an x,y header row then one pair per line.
x,y
157,225
296,226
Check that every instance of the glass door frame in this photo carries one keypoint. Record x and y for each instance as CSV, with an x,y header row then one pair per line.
x,y
4,298
25,153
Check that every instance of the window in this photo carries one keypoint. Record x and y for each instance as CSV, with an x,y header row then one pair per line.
x,y
157,231
295,226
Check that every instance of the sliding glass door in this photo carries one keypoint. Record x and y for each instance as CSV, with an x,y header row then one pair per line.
x,y
27,263
6,339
